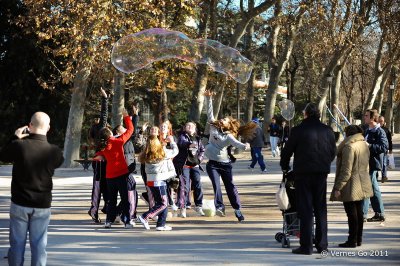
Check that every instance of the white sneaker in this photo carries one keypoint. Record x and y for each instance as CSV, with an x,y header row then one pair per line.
x,y
107,225
264,171
174,207
182,213
199,211
164,228
144,223
132,222
220,212
128,226
250,168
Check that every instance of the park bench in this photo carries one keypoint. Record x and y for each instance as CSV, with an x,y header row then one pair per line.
x,y
85,161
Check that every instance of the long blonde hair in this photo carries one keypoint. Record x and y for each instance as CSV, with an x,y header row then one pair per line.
x,y
153,151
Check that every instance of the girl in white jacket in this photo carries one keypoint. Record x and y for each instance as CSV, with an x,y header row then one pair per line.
x,y
159,168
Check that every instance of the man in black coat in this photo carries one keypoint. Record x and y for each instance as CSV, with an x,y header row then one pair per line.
x,y
34,161
314,148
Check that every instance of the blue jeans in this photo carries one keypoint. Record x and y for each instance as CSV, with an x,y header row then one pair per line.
x,y
274,146
376,199
215,170
257,157
193,174
24,220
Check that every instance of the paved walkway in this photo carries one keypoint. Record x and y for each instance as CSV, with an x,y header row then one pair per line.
x,y
75,240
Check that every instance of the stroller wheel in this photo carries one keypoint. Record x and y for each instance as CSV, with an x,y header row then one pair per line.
x,y
279,236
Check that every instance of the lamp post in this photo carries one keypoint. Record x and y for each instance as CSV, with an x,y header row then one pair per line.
x,y
391,126
329,79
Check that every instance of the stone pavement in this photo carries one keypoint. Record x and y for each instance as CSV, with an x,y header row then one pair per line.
x,y
74,240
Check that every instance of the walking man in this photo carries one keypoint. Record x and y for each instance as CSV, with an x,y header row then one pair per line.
x,y
314,148
34,161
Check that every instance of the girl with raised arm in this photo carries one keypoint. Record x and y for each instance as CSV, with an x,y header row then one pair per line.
x,y
222,134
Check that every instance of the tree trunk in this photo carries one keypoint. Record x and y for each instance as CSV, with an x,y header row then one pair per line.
x,y
375,88
201,80
236,36
248,112
219,96
335,97
75,118
164,101
270,99
198,93
278,63
118,99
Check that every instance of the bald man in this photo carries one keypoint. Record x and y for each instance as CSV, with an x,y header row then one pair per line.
x,y
34,161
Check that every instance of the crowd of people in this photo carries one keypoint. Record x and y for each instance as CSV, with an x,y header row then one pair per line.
x,y
170,166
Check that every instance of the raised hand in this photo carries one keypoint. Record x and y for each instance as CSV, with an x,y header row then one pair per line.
x,y
209,93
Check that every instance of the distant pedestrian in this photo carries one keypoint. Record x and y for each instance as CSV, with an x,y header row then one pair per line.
x,y
390,149
274,132
34,161
253,134
313,145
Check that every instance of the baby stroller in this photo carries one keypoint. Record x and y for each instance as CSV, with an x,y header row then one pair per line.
x,y
291,223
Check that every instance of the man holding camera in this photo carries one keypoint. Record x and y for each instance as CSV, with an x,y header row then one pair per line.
x,y
34,161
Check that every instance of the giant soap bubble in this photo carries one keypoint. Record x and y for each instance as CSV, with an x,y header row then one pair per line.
x,y
287,109
136,51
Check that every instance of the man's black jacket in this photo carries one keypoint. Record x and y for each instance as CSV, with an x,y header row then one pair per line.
x,y
313,145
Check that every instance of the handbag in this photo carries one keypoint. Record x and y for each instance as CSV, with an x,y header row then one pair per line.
x,y
282,198
391,164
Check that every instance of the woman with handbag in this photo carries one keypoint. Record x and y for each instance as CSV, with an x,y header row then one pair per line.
x,y
352,182
159,168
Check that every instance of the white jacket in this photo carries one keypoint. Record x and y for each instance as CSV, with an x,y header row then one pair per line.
x,y
164,169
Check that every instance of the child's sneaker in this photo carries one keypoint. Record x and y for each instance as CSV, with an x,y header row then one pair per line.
x,y
239,215
164,228
132,222
107,225
144,223
128,226
199,211
220,212
182,213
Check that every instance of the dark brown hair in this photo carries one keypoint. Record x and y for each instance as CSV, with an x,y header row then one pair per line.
x,y
374,115
352,130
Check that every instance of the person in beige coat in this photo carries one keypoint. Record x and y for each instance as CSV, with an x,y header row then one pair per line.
x,y
352,182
